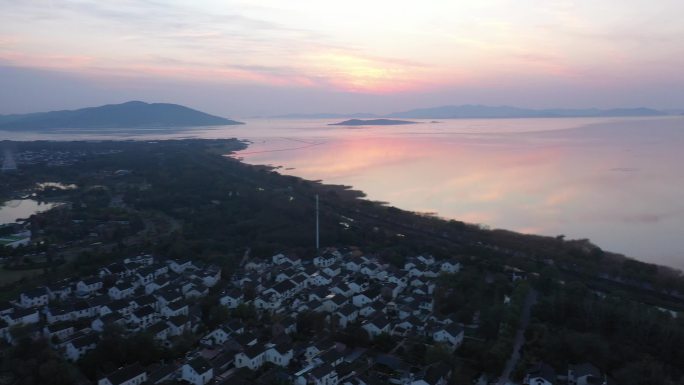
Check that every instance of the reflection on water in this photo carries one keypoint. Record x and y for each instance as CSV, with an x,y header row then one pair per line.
x,y
12,210
616,181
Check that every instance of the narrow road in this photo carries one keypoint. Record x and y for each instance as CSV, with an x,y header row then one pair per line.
x,y
400,344
530,300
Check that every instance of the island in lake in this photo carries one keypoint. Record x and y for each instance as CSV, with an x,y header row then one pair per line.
x,y
372,122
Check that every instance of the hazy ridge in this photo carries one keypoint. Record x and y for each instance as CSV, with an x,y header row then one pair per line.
x,y
487,112
125,115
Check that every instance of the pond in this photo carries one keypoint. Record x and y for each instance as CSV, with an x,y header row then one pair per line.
x,y
12,210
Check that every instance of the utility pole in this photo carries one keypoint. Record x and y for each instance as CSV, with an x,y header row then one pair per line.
x,y
317,231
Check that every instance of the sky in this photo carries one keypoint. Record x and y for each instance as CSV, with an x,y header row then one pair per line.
x,y
267,57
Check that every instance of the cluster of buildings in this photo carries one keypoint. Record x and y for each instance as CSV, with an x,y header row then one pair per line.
x,y
343,287
137,294
581,374
52,158
48,157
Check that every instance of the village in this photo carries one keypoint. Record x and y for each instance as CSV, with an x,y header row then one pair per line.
x,y
346,288
146,294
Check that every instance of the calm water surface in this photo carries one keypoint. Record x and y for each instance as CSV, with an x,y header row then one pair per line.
x,y
15,209
616,181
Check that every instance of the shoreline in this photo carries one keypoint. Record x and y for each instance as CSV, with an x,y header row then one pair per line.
x,y
348,191
382,228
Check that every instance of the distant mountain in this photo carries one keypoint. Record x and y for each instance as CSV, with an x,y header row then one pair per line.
x,y
488,112
477,111
324,115
372,122
126,115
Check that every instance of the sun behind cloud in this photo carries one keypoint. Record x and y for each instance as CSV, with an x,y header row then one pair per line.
x,y
357,73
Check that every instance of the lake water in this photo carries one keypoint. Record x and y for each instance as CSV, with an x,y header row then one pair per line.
x,y
616,181
15,209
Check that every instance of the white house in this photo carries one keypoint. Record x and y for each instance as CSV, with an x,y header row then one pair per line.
x,y
332,270
59,291
425,303
392,289
370,269
159,269
280,354
417,270
318,279
427,260
89,285
343,289
540,374
156,284
121,290
61,331
148,300
399,278
354,264
252,357
271,302
115,269
366,310
128,375
22,317
197,371
211,275
584,374
231,298
178,325
57,314
324,260
145,275
256,264
376,326
324,375
179,265
159,330
99,323
34,298
143,317
165,297
282,290
280,259
346,315
76,348
217,336
434,375
367,297
451,266
333,302
175,309
83,309
451,334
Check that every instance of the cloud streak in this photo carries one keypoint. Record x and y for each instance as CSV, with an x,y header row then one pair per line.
x,y
489,50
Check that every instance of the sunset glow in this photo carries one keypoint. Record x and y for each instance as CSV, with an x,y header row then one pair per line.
x,y
472,51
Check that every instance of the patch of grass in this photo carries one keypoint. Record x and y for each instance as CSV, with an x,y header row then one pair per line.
x,y
8,277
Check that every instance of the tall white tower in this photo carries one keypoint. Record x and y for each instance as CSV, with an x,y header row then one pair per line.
x,y
317,231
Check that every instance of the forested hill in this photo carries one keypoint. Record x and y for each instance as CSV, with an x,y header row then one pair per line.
x,y
125,115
